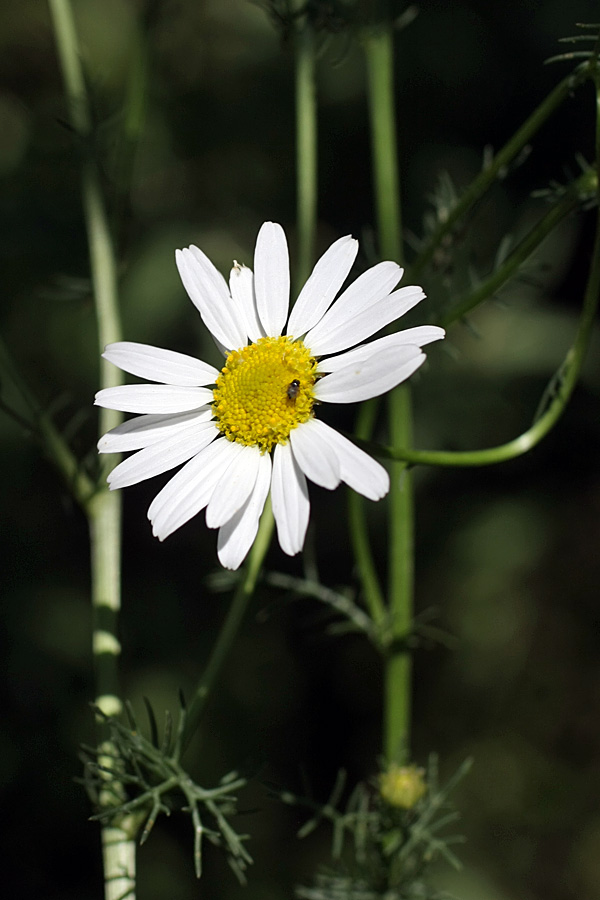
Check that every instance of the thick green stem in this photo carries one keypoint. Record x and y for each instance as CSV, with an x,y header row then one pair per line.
x,y
379,53
398,669
306,150
379,49
104,509
230,627
118,858
104,279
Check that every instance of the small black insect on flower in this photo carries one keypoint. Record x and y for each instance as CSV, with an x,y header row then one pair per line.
x,y
293,389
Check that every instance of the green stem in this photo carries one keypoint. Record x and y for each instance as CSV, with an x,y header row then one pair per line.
x,y
522,251
398,669
104,279
563,384
379,54
359,534
230,627
43,429
379,50
494,169
69,59
104,509
306,149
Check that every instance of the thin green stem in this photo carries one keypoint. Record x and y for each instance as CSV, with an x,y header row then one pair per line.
x,y
306,149
230,627
359,534
522,251
69,59
43,429
501,160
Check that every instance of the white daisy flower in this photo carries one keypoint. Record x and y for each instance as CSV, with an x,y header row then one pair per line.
x,y
250,428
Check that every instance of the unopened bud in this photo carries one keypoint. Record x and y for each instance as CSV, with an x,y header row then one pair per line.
x,y
402,786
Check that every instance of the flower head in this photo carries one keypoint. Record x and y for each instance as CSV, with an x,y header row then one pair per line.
x,y
402,786
250,428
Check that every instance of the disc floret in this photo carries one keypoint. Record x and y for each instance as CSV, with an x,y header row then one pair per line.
x,y
264,391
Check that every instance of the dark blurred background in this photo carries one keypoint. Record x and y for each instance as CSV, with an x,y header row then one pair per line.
x,y
507,557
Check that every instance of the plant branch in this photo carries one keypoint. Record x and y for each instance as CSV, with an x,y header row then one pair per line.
x,y
500,161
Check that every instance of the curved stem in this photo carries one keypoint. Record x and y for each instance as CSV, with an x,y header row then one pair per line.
x,y
230,627
563,385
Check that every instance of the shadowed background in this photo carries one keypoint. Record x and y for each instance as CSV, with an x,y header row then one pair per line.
x,y
507,558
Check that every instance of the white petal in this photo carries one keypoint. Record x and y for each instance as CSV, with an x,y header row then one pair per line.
x,y
359,470
162,456
335,332
315,456
418,337
214,457
421,335
207,290
161,365
191,488
237,536
370,377
153,398
272,278
146,430
371,286
234,488
326,280
289,496
241,285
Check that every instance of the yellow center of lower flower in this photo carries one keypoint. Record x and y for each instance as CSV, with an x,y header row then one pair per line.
x,y
402,786
264,390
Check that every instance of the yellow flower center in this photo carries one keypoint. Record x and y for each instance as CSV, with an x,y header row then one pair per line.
x,y
264,390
